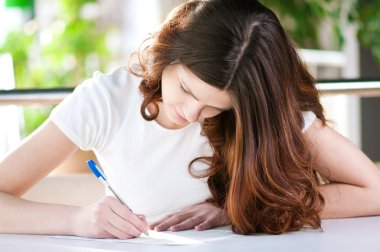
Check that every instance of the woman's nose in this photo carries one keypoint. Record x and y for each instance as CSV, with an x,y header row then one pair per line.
x,y
193,111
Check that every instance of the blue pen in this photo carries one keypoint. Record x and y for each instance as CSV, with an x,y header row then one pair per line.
x,y
100,175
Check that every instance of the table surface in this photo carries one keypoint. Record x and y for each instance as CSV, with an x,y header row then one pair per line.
x,y
346,235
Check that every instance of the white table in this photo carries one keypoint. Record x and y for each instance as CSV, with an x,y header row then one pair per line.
x,y
338,235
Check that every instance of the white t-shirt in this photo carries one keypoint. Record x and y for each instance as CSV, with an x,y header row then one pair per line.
x,y
145,163
308,119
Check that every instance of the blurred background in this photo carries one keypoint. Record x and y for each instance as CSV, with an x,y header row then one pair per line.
x,y
50,44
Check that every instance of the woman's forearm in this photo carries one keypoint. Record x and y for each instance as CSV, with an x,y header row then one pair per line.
x,y
344,200
22,216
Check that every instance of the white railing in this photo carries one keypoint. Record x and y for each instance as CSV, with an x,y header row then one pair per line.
x,y
55,96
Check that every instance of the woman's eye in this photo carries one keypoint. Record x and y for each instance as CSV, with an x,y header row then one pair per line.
x,y
183,90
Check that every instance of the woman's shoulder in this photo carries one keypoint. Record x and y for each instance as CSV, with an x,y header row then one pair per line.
x,y
112,87
117,79
103,93
97,107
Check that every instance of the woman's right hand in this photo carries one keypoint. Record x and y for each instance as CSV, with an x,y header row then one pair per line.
x,y
108,218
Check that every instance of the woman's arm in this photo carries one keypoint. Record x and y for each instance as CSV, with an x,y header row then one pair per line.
x,y
37,156
34,159
355,180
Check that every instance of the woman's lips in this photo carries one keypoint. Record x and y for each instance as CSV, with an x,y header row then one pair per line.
x,y
180,116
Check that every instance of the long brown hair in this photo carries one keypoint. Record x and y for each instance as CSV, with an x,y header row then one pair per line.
x,y
261,170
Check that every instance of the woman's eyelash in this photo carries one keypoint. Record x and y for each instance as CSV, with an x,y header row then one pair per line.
x,y
183,90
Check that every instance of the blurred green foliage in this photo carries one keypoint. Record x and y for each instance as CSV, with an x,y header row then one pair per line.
x,y
61,54
302,19
368,19
64,59
19,3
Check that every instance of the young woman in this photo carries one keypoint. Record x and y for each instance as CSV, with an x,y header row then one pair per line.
x,y
221,125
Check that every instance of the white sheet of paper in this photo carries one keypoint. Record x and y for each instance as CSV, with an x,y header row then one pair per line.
x,y
186,237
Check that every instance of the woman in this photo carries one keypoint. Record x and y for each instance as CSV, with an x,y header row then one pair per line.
x,y
224,95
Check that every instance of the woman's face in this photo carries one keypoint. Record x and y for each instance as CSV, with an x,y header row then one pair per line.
x,y
188,99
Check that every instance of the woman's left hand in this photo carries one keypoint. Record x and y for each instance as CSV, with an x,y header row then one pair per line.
x,y
201,216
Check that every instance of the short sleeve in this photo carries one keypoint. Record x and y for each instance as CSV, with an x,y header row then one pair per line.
x,y
83,115
308,119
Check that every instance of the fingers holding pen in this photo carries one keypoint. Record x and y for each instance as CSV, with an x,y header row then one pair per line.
x,y
125,220
122,218
108,218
